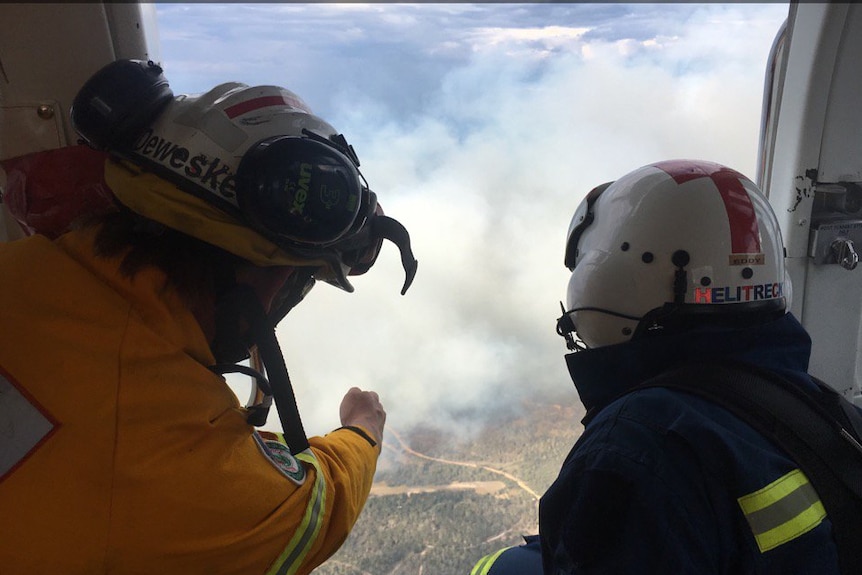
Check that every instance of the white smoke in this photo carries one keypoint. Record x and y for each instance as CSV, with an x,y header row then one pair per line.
x,y
485,162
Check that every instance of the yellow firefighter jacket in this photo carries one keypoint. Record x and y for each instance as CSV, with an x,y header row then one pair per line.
x,y
121,453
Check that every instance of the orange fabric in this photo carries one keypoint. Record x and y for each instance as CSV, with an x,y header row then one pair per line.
x,y
151,467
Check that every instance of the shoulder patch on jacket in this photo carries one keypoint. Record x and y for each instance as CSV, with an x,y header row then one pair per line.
x,y
282,459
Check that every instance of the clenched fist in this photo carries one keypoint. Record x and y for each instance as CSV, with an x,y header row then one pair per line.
x,y
363,408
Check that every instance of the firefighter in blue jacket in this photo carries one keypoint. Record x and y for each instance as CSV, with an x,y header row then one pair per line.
x,y
675,262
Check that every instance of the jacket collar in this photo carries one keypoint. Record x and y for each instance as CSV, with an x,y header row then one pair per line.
x,y
603,374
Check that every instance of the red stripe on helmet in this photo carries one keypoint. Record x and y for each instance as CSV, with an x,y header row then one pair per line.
x,y
253,104
744,233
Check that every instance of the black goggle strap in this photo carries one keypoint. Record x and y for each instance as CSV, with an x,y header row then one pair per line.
x,y
228,345
574,237
263,335
273,360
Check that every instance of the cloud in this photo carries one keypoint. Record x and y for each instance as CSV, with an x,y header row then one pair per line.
x,y
480,127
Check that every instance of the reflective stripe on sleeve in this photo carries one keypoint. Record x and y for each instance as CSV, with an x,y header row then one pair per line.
x,y
290,560
783,510
484,564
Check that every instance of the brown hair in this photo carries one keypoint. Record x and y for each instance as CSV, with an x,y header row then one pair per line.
x,y
191,265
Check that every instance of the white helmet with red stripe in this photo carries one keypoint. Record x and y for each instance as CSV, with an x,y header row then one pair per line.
x,y
204,143
247,168
668,245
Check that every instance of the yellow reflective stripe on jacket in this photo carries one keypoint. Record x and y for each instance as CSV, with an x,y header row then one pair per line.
x,y
290,560
783,510
484,564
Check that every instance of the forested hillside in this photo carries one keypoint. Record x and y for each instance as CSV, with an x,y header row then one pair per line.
x,y
439,503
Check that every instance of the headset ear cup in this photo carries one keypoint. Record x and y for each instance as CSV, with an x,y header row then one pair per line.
x,y
119,101
298,190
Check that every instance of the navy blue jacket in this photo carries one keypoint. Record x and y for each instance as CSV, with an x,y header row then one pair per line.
x,y
523,559
665,482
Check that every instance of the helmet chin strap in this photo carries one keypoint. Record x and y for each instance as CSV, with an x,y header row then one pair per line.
x,y
236,302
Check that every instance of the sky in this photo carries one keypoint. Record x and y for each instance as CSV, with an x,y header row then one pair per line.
x,y
480,127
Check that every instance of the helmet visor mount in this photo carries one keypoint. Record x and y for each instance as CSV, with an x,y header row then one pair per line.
x,y
580,222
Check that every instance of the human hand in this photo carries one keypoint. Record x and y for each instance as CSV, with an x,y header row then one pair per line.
x,y
363,408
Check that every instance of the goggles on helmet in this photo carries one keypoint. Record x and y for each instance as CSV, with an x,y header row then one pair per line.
x,y
257,154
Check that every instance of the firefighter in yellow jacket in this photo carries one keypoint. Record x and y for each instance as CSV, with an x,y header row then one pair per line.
x,y
122,449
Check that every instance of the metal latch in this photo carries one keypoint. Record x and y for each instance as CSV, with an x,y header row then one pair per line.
x,y
836,224
845,253
835,243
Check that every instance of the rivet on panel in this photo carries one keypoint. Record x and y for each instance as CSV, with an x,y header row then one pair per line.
x,y
45,111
